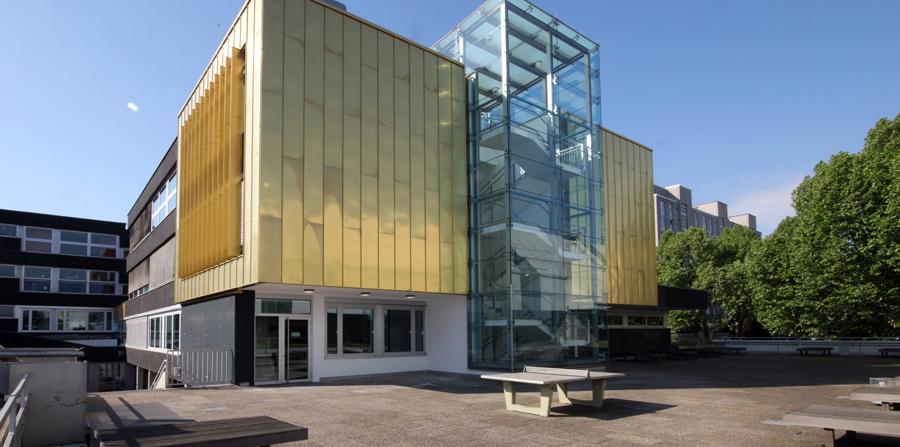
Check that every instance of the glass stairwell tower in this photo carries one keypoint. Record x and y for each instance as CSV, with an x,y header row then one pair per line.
x,y
538,293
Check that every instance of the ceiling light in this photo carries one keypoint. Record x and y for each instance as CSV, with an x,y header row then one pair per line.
x,y
364,294
309,290
410,296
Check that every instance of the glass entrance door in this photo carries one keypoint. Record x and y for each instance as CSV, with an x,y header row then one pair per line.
x,y
296,342
266,355
281,350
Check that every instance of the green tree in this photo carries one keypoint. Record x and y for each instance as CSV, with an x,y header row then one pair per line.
x,y
727,277
679,258
718,265
834,269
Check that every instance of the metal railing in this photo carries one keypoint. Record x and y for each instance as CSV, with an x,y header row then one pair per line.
x,y
161,374
842,345
12,415
201,367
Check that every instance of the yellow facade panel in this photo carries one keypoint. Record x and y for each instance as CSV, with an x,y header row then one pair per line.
x,y
369,235
353,170
334,233
631,264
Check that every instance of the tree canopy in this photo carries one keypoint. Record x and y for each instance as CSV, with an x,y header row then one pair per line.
x,y
834,269
717,265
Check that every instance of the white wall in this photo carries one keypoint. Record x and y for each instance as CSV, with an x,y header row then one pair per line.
x,y
445,338
136,333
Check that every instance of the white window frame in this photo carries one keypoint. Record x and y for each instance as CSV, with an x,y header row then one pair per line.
x,y
26,240
378,312
15,271
59,281
14,227
54,280
86,244
51,321
164,196
114,282
622,324
25,277
164,320
59,314
114,246
413,330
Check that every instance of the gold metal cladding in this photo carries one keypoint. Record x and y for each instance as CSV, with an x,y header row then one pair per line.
x,y
349,142
210,163
372,179
630,233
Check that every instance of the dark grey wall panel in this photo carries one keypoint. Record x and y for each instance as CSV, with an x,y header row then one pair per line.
x,y
159,236
157,298
144,359
160,175
208,324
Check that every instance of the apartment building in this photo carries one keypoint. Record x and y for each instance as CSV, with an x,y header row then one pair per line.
x,y
675,212
61,279
351,202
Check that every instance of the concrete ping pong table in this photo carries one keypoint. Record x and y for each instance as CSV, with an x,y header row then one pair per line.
x,y
547,379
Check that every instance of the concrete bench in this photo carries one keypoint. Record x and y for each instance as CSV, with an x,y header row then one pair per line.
x,y
848,419
547,379
238,432
886,396
886,352
822,350
733,350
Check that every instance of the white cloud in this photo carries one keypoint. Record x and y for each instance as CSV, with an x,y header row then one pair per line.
x,y
133,107
770,203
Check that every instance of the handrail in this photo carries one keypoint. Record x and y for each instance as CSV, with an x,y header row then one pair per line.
x,y
163,368
16,403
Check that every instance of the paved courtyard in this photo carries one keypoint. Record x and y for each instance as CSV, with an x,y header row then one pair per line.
x,y
697,402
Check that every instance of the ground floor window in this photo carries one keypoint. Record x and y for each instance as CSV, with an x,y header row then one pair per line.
x,y
352,329
67,320
164,331
36,320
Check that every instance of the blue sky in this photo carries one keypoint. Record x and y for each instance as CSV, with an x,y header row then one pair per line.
x,y
739,99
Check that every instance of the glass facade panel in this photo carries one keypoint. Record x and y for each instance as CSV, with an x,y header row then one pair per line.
x,y
538,294
397,330
282,306
358,330
8,230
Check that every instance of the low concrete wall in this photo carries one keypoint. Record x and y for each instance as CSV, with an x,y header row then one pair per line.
x,y
56,401
788,346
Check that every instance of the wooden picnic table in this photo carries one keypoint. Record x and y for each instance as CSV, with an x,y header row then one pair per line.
x,y
237,432
888,396
549,378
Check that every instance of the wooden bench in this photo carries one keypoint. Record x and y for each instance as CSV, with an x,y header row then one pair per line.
x,y
823,350
886,396
238,432
547,379
848,419
886,352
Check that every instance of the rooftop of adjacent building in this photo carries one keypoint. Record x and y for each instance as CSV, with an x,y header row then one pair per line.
x,y
663,403
28,218
714,208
